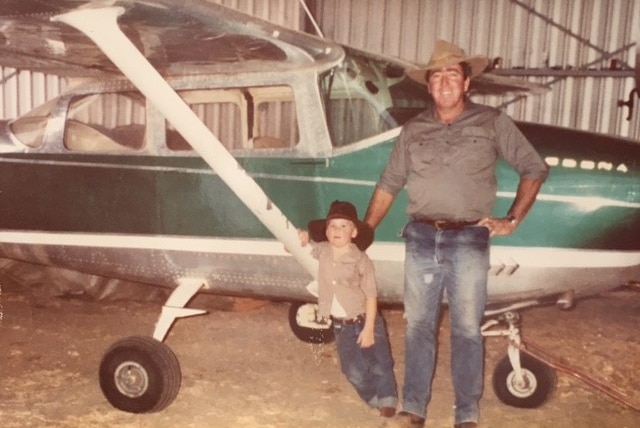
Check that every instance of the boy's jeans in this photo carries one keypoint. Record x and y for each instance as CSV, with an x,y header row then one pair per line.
x,y
455,261
370,370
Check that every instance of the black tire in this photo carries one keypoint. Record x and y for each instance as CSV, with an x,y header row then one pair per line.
x,y
539,382
140,375
304,312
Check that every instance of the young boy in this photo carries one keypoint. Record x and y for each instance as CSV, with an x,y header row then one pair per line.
x,y
347,294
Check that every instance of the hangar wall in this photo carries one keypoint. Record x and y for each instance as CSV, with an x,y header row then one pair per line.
x,y
584,49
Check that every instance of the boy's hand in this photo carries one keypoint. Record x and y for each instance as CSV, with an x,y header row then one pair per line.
x,y
366,338
304,237
322,320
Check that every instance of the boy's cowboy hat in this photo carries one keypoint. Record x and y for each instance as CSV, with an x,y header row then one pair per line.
x,y
345,210
446,54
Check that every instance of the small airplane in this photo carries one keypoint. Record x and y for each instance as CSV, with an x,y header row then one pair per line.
x,y
195,140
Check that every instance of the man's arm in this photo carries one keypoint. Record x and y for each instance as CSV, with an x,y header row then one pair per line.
x,y
379,205
525,197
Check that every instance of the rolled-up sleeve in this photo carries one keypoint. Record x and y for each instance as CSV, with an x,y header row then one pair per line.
x,y
518,151
394,176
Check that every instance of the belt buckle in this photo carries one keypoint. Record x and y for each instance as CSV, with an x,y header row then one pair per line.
x,y
440,224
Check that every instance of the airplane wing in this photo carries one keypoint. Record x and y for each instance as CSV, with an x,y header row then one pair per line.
x,y
492,84
176,37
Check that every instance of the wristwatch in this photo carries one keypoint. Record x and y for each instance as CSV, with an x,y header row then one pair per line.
x,y
512,219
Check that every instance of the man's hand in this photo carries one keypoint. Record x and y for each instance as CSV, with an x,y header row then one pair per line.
x,y
499,226
525,197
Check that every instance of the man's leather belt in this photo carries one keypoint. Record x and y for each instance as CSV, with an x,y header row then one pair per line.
x,y
446,224
348,321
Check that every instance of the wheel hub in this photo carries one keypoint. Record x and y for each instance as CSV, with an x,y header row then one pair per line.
x,y
131,379
523,387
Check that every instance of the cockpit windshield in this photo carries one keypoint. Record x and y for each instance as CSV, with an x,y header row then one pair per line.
x,y
367,95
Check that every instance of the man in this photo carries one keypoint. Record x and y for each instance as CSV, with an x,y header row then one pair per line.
x,y
446,158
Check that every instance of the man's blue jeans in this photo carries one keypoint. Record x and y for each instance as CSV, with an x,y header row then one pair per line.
x,y
370,370
455,261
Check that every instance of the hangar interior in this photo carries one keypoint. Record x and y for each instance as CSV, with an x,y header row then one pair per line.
x,y
586,51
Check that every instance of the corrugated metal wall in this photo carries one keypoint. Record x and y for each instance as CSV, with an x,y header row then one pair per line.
x,y
23,90
549,39
288,13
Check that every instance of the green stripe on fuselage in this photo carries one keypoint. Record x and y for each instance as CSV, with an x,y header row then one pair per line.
x,y
146,195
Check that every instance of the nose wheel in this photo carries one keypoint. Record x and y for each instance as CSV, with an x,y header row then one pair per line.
x,y
528,389
519,379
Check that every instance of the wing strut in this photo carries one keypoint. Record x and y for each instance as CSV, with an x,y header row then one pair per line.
x,y
101,26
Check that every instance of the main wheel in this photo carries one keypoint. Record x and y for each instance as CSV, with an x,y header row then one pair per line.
x,y
538,383
302,320
140,375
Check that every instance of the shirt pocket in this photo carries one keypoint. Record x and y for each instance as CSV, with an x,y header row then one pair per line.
x,y
349,275
422,155
477,149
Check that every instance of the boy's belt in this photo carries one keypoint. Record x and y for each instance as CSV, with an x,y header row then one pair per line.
x,y
348,321
446,224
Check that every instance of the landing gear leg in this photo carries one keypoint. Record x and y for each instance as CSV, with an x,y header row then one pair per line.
x,y
141,374
175,306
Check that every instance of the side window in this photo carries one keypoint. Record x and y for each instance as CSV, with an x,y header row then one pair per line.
x,y
111,122
242,118
275,123
352,119
220,110
367,95
30,128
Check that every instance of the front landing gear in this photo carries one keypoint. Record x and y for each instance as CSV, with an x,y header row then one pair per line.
x,y
141,374
519,379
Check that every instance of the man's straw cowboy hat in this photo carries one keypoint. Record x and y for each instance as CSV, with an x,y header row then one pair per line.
x,y
446,54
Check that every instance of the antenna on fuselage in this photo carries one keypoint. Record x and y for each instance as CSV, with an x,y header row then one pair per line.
x,y
637,74
311,18
635,91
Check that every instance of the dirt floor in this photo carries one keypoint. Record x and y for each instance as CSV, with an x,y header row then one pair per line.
x,y
243,367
